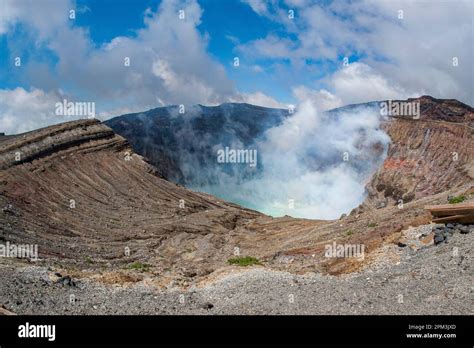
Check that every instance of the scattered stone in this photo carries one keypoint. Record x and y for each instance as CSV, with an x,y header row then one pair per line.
x,y
66,281
438,239
448,231
10,210
208,306
190,274
441,233
45,279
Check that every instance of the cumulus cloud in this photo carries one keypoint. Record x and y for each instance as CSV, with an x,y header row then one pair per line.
x,y
259,6
45,17
322,99
8,15
352,84
413,53
359,83
22,110
174,68
260,99
168,59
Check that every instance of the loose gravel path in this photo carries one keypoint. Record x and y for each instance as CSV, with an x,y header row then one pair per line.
x,y
431,280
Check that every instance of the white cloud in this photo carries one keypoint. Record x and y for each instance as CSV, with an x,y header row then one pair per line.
x,y
22,110
358,82
352,84
259,6
45,17
322,99
271,46
8,15
413,54
105,115
260,99
169,63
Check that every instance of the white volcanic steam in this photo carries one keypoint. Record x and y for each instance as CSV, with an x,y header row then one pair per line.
x,y
313,165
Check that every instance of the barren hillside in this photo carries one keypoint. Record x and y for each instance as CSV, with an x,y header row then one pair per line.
x,y
101,212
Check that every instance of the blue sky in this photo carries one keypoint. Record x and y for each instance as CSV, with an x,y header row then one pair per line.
x,y
107,19
187,61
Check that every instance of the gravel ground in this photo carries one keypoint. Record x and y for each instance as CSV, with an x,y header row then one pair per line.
x,y
431,280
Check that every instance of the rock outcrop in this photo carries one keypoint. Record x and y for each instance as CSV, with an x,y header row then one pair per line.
x,y
427,156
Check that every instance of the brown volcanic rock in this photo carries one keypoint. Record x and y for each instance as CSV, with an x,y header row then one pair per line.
x,y
426,156
81,134
118,203
450,110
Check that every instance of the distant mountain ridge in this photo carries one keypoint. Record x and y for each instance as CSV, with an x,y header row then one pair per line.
x,y
162,134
